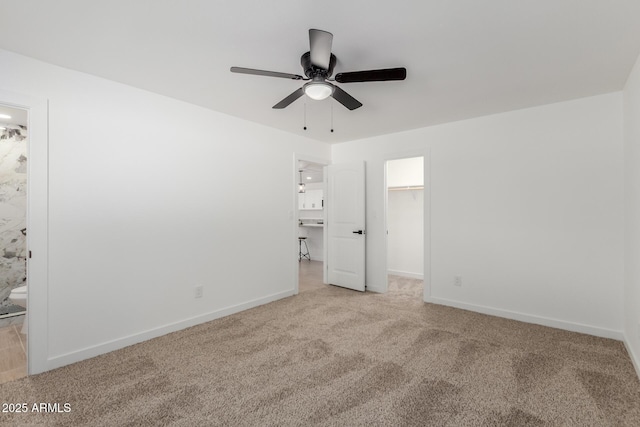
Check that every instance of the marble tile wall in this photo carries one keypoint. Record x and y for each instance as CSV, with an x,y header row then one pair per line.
x,y
13,200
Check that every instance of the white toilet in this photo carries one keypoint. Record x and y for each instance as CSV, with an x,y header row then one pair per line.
x,y
18,296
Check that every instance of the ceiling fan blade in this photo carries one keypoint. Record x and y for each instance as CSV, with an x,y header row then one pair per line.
x,y
320,48
345,99
372,75
265,73
289,99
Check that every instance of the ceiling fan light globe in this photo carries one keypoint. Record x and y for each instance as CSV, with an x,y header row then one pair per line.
x,y
318,91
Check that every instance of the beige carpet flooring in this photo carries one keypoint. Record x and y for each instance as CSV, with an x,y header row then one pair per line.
x,y
335,357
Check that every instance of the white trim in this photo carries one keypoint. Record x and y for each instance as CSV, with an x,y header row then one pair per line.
x,y
325,230
426,267
632,355
406,274
93,351
536,320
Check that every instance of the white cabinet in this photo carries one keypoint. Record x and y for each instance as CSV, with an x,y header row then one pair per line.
x,y
313,199
310,200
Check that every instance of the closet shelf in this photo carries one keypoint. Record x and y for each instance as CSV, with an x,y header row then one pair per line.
x,y
411,187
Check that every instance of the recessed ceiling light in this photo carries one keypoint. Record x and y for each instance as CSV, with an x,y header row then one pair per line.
x,y
308,177
5,116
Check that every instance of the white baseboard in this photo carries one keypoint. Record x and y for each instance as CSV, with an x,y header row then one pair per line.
x,y
406,274
537,320
633,355
93,351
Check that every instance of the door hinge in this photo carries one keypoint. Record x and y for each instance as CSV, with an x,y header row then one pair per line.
x,y
29,254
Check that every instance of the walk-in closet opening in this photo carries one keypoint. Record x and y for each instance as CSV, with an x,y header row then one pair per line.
x,y
405,226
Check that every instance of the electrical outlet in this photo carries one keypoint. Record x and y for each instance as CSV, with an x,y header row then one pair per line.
x,y
457,281
199,291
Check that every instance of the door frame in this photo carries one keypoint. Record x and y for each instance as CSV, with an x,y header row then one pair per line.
x,y
426,212
37,221
295,215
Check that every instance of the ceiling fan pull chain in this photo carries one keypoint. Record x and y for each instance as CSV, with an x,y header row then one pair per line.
x,y
332,117
305,116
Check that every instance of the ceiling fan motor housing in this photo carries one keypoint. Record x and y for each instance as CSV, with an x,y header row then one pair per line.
x,y
312,71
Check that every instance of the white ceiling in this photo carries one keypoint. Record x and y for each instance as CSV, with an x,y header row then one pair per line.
x,y
464,58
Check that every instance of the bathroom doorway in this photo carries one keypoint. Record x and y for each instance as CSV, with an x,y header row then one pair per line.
x,y
13,241
405,202
309,222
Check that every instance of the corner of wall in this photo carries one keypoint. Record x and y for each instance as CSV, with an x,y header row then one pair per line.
x,y
631,136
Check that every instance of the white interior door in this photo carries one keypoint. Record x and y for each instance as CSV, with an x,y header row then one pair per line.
x,y
345,203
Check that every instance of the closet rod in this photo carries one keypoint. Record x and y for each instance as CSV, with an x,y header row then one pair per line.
x,y
414,187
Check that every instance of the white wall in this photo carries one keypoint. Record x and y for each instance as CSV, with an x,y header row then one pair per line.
x,y
405,217
632,214
405,224
149,196
526,206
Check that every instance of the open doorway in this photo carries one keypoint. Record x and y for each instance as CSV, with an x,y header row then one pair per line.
x,y
13,242
310,216
405,226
